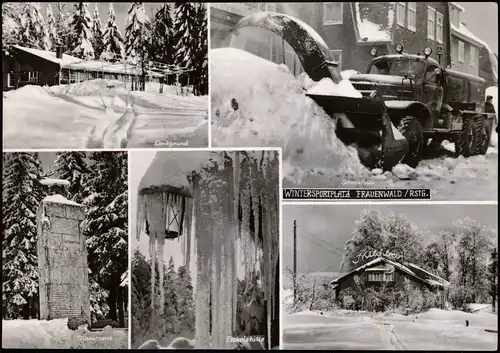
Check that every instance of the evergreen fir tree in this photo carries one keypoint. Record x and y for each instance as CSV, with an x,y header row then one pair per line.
x,y
112,40
81,37
21,197
52,37
137,31
185,313
64,27
201,56
72,166
184,28
106,222
162,41
33,34
171,297
97,33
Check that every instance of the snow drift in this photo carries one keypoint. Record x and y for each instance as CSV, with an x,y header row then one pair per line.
x,y
264,105
50,334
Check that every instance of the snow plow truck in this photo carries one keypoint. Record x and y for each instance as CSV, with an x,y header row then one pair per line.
x,y
409,102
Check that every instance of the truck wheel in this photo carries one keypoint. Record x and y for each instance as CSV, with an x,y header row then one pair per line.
x,y
466,144
484,134
412,130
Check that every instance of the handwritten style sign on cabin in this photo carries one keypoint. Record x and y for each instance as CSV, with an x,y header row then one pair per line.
x,y
372,254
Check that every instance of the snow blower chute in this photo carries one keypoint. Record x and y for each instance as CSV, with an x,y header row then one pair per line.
x,y
361,122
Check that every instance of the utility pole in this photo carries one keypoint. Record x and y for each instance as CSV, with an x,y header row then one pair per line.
x,y
295,261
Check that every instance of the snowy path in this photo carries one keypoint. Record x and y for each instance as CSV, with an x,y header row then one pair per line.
x,y
430,331
88,116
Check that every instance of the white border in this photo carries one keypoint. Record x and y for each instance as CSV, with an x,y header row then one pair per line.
x,y
280,267
209,43
129,325
386,202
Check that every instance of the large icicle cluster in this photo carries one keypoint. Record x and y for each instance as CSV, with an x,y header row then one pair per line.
x,y
249,181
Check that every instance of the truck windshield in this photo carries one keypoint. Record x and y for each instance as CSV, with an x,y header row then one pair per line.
x,y
398,67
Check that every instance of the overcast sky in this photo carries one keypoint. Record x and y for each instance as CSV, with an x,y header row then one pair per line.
x,y
482,19
333,225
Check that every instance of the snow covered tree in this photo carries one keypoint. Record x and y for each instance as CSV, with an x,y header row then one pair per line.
x,y
112,39
52,37
368,234
137,31
402,238
185,312
72,166
184,29
140,295
201,51
171,297
81,36
493,272
63,25
162,41
97,34
33,29
106,224
138,37
21,197
12,30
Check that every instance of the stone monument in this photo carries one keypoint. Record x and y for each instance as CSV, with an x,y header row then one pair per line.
x,y
62,262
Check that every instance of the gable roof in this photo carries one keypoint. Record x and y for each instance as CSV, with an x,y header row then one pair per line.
x,y
49,55
412,270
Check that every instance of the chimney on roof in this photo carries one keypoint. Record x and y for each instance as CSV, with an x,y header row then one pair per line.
x,y
59,51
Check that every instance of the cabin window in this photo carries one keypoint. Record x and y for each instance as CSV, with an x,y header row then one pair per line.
x,y
431,23
10,79
412,16
380,276
337,56
474,56
332,13
439,27
33,76
461,51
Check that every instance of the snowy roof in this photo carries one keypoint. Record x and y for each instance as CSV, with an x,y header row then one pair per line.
x,y
49,55
414,271
168,171
60,199
369,32
105,66
463,32
51,181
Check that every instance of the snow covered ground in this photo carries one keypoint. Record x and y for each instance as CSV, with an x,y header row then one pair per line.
x,y
43,334
433,330
103,113
256,102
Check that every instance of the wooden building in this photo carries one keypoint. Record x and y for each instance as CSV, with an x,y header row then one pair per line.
x,y
28,66
382,270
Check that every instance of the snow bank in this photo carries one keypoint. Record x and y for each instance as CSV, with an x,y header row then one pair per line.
x,y
265,105
54,334
326,87
28,92
60,199
50,181
91,88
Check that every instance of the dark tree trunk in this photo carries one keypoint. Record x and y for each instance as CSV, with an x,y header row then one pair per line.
x,y
121,315
26,310
112,304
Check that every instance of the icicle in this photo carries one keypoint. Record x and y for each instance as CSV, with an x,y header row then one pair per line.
x,y
141,209
161,244
235,227
192,234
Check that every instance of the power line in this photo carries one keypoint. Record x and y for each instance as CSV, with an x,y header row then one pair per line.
x,y
328,244
335,252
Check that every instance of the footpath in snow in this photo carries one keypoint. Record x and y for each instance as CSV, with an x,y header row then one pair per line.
x,y
265,105
103,113
433,330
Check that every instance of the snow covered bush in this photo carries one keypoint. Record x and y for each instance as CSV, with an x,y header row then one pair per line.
x,y
460,296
